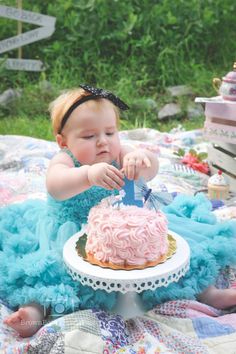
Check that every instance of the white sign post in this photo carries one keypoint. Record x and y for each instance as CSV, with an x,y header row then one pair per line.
x,y
46,29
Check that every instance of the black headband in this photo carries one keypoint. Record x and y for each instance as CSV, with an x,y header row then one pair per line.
x,y
95,93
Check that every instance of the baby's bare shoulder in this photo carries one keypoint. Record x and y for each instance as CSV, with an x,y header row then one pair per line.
x,y
61,158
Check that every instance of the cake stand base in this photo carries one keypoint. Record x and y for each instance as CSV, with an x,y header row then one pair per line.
x,y
129,305
128,284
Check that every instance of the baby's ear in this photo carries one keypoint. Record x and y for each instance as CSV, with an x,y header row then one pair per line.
x,y
61,141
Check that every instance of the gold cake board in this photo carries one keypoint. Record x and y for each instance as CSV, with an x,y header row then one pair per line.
x,y
80,247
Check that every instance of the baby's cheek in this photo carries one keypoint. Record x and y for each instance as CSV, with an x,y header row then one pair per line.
x,y
116,148
85,154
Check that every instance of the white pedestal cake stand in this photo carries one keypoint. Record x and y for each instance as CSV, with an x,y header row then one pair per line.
x,y
127,283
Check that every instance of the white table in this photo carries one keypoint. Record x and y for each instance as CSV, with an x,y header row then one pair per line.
x,y
127,283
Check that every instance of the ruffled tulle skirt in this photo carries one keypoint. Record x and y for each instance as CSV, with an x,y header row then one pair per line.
x,y
31,263
212,246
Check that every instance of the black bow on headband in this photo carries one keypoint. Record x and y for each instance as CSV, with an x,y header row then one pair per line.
x,y
101,93
95,93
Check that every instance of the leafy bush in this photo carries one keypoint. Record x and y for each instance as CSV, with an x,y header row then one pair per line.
x,y
133,47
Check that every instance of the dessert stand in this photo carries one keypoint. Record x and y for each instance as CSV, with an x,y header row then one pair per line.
x,y
127,283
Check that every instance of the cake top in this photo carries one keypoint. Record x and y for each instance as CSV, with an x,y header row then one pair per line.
x,y
218,179
126,214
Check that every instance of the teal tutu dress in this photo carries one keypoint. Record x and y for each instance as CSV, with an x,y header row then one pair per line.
x,y
32,235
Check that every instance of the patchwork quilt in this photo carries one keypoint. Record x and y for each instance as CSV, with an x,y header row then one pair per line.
x,y
172,327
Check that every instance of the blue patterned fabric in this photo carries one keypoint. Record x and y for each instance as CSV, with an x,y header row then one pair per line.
x,y
32,235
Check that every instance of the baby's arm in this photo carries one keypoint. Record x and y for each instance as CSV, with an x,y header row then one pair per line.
x,y
65,181
138,163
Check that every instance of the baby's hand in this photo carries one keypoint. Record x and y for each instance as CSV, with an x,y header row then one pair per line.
x,y
134,162
106,176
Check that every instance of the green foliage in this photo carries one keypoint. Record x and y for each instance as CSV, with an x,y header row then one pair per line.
x,y
200,156
134,48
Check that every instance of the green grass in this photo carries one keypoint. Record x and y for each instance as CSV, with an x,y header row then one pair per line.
x,y
40,127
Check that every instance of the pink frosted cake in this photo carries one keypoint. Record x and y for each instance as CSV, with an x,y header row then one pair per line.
x,y
126,238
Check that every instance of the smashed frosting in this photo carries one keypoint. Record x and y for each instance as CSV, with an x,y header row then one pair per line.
x,y
126,236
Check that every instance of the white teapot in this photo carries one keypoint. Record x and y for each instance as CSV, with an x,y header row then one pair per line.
x,y
226,86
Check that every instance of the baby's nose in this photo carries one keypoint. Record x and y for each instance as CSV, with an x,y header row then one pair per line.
x,y
102,139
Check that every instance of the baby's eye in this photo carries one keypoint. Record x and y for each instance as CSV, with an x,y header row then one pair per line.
x,y
88,137
110,133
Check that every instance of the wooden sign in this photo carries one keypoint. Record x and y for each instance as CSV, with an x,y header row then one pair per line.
x,y
24,64
46,29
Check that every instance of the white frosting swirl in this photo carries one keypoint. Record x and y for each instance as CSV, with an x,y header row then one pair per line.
x,y
129,236
217,180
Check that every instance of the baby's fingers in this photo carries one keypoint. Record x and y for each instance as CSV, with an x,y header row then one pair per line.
x,y
147,162
141,163
129,168
118,173
115,178
110,183
130,171
138,163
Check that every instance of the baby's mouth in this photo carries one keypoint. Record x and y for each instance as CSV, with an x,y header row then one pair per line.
x,y
102,153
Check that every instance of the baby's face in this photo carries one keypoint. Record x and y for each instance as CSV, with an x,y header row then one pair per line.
x,y
91,133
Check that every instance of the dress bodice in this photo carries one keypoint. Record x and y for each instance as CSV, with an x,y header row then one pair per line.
x,y
76,209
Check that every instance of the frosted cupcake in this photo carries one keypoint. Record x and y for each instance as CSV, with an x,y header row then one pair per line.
x,y
218,188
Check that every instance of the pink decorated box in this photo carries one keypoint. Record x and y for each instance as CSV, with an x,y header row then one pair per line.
x,y
220,129
215,131
220,123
